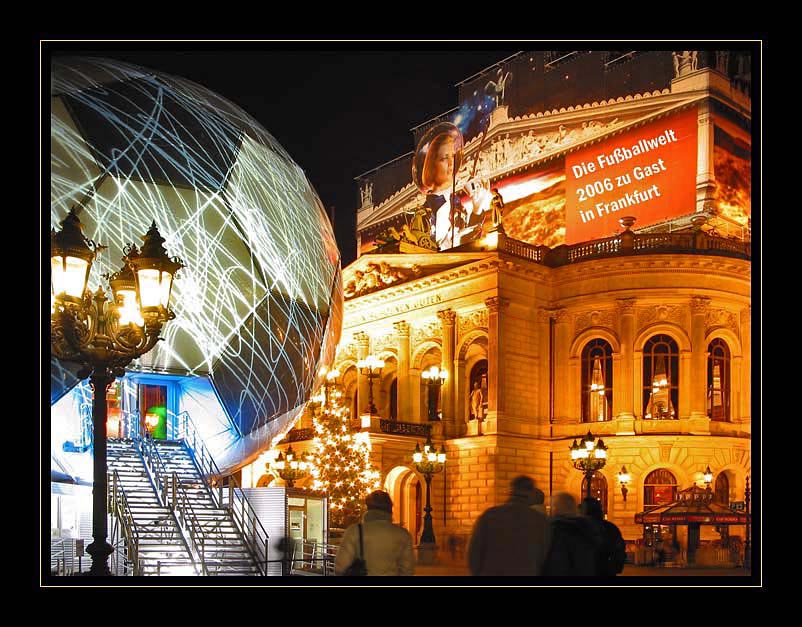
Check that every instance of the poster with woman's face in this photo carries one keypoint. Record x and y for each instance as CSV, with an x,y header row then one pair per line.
x,y
437,157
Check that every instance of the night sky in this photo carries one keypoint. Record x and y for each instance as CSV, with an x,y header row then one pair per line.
x,y
338,109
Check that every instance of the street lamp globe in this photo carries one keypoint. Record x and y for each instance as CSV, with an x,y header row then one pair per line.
x,y
588,456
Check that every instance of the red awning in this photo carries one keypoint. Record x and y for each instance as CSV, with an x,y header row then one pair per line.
x,y
694,505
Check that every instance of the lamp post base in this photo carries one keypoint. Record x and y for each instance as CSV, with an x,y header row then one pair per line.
x,y
100,552
427,553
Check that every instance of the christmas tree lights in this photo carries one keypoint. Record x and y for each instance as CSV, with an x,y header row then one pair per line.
x,y
341,461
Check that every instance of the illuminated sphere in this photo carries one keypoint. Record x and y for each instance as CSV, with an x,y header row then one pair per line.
x,y
259,304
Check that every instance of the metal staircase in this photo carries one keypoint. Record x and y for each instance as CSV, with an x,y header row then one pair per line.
x,y
171,521
218,543
154,541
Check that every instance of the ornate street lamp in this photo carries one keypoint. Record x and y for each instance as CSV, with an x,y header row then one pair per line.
x,y
371,367
290,468
428,462
433,378
105,336
623,479
589,457
708,476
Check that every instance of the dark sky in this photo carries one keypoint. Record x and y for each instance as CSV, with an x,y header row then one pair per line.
x,y
338,109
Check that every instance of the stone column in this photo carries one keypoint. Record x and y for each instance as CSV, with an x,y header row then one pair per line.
x,y
415,391
460,397
404,392
362,351
562,371
700,423
745,413
624,389
496,306
447,319
705,176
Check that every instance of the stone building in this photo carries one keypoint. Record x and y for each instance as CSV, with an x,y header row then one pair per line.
x,y
640,334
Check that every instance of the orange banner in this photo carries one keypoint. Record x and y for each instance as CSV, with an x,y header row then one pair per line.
x,y
648,172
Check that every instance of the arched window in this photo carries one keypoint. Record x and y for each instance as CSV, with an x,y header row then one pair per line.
x,y
659,488
718,380
660,378
597,381
598,489
722,492
478,376
394,400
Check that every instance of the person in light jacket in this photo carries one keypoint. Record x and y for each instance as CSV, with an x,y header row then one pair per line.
x,y
387,547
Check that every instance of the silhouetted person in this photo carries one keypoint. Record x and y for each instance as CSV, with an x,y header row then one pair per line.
x,y
539,504
613,549
387,547
510,539
576,541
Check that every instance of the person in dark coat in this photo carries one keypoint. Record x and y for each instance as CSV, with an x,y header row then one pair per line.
x,y
614,549
576,541
510,539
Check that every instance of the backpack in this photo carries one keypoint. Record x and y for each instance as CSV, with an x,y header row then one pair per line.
x,y
358,567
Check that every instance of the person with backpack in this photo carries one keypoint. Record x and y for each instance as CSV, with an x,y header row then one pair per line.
x,y
385,548
613,548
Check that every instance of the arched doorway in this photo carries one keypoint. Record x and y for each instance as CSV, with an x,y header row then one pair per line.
x,y
405,489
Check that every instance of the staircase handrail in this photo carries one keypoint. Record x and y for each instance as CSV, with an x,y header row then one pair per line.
x,y
122,510
167,486
244,516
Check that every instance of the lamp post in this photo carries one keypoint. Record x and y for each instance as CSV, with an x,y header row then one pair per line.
x,y
105,336
589,457
434,378
371,367
623,479
428,462
289,468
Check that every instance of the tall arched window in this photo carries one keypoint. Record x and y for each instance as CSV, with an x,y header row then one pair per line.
x,y
718,380
478,376
659,488
660,378
598,489
597,381
721,494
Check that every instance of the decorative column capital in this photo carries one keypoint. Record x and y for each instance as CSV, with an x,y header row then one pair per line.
x,y
746,315
543,314
558,314
402,328
700,305
496,303
447,316
626,306
362,338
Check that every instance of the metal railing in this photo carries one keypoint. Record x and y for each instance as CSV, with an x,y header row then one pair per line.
x,y
310,557
404,428
629,243
230,496
172,495
124,529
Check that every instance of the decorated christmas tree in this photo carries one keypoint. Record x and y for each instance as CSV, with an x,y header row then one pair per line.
x,y
341,463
